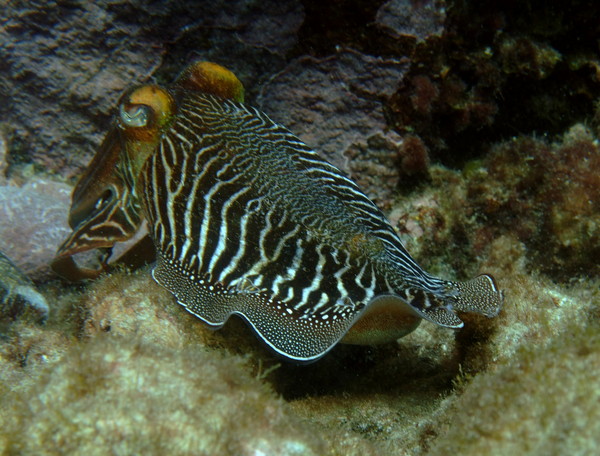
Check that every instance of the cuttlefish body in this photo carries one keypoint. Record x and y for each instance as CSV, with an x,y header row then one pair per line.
x,y
247,220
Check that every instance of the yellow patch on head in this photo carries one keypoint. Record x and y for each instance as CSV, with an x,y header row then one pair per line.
x,y
211,78
144,111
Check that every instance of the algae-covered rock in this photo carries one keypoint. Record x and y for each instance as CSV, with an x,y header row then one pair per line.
x,y
496,70
119,396
148,377
547,194
135,306
545,400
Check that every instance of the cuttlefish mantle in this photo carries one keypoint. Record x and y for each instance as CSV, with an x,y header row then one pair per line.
x,y
248,220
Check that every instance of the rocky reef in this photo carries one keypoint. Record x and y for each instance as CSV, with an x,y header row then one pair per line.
x,y
475,127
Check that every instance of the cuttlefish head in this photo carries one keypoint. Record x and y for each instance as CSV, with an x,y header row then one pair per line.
x,y
105,205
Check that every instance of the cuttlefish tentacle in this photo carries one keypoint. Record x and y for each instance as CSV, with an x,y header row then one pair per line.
x,y
247,220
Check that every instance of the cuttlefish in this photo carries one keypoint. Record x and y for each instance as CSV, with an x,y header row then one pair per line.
x,y
247,220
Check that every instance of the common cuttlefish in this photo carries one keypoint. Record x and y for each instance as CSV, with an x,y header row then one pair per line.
x,y
248,220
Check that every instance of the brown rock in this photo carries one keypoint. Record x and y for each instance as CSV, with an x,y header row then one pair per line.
x,y
335,104
65,63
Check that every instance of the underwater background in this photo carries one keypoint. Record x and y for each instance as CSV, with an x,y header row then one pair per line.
x,y
473,126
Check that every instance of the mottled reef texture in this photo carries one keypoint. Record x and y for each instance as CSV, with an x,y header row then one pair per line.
x,y
475,127
65,62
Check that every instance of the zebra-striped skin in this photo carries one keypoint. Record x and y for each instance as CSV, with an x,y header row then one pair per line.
x,y
105,209
248,220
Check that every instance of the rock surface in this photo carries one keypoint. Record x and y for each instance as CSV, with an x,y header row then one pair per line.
x,y
17,292
66,63
34,223
388,91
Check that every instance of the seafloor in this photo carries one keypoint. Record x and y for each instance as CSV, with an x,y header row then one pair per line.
x,y
474,127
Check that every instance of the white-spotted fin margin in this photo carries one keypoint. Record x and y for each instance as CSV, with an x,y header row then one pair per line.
x,y
480,295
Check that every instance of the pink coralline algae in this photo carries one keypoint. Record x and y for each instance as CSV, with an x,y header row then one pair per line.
x,y
33,223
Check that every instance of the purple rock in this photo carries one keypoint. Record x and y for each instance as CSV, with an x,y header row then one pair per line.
x,y
33,223
419,19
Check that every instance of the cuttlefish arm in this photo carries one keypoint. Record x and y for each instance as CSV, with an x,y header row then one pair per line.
x,y
95,202
105,207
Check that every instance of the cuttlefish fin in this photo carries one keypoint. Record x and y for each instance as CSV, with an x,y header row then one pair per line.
x,y
294,335
479,295
385,318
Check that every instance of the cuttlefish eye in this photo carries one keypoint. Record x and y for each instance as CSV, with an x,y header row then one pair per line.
x,y
145,110
106,197
89,207
134,115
